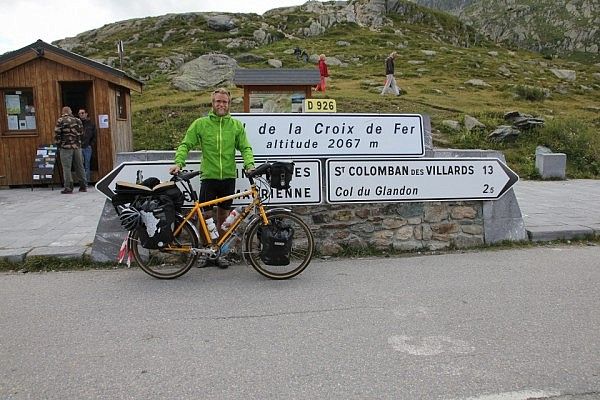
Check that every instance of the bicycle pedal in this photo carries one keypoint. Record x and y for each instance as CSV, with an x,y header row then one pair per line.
x,y
202,262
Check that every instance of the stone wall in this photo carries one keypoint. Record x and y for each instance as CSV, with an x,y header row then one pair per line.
x,y
395,226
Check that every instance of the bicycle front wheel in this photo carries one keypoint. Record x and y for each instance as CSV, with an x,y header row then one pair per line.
x,y
296,259
172,261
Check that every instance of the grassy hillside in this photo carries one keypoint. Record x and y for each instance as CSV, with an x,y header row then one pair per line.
x,y
434,84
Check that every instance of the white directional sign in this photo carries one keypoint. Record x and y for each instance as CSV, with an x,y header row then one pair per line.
x,y
305,186
424,179
335,135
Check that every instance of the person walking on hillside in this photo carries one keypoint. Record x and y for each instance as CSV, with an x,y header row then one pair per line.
x,y
218,135
390,81
67,136
323,72
87,142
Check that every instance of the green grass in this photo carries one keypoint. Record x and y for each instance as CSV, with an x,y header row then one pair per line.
x,y
48,264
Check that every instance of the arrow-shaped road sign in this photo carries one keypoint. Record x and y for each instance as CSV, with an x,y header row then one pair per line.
x,y
305,187
423,179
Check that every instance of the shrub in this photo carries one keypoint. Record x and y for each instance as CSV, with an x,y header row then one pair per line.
x,y
577,140
530,93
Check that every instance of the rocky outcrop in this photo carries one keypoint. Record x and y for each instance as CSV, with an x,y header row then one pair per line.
x,y
206,71
221,22
541,25
236,33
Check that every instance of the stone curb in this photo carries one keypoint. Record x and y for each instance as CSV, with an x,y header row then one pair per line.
x,y
59,251
559,232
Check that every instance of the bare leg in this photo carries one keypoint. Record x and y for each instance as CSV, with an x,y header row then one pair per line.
x,y
221,217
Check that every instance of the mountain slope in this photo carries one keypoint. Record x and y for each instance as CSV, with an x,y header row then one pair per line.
x,y
439,60
547,26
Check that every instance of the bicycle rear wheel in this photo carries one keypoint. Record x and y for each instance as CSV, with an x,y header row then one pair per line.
x,y
170,262
301,252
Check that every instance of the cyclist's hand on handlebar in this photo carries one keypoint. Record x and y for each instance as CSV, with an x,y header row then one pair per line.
x,y
249,171
174,169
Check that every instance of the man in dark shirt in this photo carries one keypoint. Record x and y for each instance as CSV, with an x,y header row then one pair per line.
x,y
88,140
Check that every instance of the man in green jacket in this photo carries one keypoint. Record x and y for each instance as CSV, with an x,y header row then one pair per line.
x,y
218,135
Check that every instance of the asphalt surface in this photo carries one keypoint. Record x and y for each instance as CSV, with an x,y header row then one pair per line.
x,y
43,222
509,324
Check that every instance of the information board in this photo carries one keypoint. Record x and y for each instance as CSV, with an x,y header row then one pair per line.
x,y
43,164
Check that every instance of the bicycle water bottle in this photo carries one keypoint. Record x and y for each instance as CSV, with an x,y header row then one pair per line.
x,y
212,228
231,218
230,243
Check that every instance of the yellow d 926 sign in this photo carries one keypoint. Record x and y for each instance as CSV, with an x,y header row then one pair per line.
x,y
319,105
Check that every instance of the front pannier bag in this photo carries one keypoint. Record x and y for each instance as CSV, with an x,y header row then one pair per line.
x,y
276,243
281,174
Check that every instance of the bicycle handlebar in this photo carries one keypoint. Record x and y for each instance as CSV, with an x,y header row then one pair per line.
x,y
184,176
258,171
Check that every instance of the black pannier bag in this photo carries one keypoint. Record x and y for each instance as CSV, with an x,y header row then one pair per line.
x,y
158,221
281,175
276,240
173,192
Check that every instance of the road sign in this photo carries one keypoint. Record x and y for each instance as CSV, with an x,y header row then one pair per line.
x,y
305,186
319,105
424,179
335,135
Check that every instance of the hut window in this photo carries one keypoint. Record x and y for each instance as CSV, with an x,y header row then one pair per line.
x,y
20,110
121,106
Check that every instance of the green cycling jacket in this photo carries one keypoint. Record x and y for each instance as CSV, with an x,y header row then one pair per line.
x,y
218,138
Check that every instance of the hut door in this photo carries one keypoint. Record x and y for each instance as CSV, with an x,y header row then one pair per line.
x,y
79,95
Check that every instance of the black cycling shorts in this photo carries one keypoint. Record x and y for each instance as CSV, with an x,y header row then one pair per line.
x,y
211,189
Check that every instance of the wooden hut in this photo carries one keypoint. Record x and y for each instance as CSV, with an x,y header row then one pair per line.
x,y
36,81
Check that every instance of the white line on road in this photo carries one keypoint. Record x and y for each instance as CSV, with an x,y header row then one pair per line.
x,y
521,395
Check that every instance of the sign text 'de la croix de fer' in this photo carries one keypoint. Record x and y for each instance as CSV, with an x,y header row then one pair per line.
x,y
335,135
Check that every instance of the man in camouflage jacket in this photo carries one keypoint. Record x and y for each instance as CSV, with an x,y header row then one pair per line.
x,y
67,136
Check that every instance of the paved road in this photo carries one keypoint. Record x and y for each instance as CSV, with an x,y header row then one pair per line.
x,y
491,325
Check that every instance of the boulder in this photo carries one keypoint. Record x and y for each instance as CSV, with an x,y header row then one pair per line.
x,y
221,23
455,125
523,121
274,63
504,133
477,82
565,74
207,71
472,123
